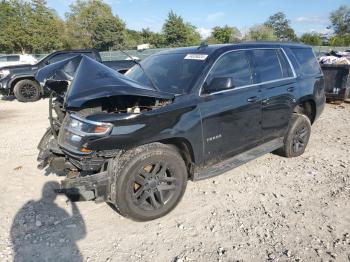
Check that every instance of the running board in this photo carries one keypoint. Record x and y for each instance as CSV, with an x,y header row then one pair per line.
x,y
235,161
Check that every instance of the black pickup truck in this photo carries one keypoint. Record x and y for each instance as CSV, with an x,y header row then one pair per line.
x,y
19,80
134,140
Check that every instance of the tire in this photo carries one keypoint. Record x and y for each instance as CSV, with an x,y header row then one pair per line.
x,y
148,181
297,137
27,91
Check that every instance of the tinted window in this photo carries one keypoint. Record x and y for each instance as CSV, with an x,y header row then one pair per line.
x,y
61,57
306,60
235,65
3,59
267,65
286,68
13,58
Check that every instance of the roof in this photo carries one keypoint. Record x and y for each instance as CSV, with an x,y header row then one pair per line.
x,y
209,49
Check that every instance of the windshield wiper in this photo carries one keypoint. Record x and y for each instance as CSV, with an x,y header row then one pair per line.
x,y
143,70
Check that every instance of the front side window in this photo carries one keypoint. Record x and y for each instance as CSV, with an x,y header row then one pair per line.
x,y
234,65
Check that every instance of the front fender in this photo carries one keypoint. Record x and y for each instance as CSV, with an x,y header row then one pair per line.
x,y
153,126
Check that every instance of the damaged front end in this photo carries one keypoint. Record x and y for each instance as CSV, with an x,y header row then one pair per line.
x,y
87,105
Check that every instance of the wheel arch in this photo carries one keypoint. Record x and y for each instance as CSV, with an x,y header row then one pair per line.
x,y
15,80
184,147
307,107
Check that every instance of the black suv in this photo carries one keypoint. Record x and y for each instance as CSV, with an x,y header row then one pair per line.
x,y
134,140
18,80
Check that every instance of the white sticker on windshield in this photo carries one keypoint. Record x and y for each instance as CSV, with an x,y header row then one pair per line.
x,y
196,57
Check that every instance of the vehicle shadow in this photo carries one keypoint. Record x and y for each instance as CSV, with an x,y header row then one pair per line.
x,y
7,98
42,231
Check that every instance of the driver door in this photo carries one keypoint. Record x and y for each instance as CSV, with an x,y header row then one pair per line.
x,y
231,117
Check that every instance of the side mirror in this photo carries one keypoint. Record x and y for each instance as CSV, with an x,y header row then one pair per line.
x,y
218,84
47,62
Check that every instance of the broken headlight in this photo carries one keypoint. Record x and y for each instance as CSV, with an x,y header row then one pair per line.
x,y
74,129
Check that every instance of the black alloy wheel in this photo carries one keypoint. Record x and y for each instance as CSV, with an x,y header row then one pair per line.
x,y
153,186
27,90
300,138
297,137
147,182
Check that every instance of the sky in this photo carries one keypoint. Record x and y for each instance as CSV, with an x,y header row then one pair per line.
x,y
305,15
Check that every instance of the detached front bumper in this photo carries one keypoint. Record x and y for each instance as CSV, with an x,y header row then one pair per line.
x,y
4,91
85,188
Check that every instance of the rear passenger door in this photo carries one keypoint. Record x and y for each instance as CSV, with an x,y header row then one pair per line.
x,y
230,118
277,80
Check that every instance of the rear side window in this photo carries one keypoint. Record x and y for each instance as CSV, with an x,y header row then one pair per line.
x,y
267,64
13,58
234,64
286,68
60,57
307,61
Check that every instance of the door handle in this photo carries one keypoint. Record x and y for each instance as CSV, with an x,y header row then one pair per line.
x,y
252,99
290,89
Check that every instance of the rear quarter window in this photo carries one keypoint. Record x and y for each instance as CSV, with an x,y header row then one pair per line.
x,y
308,65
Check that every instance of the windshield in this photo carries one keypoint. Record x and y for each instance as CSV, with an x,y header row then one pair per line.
x,y
172,73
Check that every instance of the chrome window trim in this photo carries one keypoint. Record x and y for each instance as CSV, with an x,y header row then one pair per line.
x,y
252,85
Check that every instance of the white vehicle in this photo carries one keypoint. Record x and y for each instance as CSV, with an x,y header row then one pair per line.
x,y
10,60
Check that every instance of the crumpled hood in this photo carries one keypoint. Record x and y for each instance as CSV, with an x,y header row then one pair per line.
x,y
92,80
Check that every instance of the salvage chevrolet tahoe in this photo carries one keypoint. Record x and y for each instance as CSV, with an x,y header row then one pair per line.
x,y
134,140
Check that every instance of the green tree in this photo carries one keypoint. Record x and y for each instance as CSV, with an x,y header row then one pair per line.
x,y
6,11
132,38
223,35
179,33
92,24
281,27
155,39
44,27
340,40
311,39
340,20
28,26
261,33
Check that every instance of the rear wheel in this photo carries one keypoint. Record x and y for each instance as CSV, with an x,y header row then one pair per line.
x,y
297,138
149,181
27,91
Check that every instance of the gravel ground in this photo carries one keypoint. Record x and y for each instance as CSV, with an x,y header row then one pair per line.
x,y
269,209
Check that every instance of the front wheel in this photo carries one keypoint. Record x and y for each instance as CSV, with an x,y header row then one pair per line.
x,y
27,91
297,137
148,181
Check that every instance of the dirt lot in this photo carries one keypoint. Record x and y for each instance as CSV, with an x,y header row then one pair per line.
x,y
269,209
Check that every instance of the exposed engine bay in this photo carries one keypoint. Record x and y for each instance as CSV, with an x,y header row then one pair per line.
x,y
81,88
